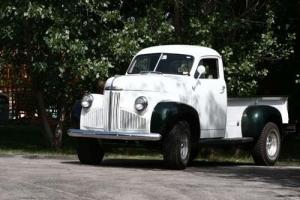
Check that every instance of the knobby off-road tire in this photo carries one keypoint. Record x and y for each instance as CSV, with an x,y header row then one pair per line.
x,y
89,151
267,147
177,146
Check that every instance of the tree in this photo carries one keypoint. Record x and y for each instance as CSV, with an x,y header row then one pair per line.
x,y
73,47
64,46
250,34
69,47
245,33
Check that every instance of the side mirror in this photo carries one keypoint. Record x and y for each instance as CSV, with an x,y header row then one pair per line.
x,y
201,70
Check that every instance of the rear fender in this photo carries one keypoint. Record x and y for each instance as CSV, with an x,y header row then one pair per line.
x,y
255,118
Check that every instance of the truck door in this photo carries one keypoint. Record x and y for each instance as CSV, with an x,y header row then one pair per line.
x,y
210,98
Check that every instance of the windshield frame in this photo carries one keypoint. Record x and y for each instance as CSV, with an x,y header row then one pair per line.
x,y
158,61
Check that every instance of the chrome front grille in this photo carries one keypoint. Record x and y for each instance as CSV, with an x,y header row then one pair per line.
x,y
96,118
132,121
111,117
93,118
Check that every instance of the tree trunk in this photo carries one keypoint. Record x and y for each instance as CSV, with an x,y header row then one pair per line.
x,y
59,130
178,20
296,63
43,116
297,46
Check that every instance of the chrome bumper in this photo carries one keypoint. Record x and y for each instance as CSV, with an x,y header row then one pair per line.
x,y
114,135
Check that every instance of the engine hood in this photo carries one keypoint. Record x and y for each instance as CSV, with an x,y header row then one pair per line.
x,y
148,82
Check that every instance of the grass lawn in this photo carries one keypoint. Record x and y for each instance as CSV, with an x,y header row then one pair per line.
x,y
28,139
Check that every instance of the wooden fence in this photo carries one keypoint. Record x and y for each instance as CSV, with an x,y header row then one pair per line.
x,y
17,86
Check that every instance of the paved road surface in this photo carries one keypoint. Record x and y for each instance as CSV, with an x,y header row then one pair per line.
x,y
28,177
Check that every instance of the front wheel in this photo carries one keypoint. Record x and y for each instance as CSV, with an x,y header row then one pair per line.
x,y
267,147
89,151
177,146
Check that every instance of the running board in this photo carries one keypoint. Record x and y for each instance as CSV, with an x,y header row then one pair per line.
x,y
221,141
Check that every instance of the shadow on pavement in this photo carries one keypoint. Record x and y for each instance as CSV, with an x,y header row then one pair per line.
x,y
157,164
128,163
282,176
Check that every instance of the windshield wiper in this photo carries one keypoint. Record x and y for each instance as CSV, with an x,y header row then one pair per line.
x,y
153,72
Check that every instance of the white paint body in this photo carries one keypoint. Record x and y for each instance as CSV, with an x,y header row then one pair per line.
x,y
219,117
237,106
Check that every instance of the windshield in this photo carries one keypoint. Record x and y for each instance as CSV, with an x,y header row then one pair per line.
x,y
162,63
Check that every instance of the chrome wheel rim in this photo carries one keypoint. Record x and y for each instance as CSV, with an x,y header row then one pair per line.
x,y
184,148
272,144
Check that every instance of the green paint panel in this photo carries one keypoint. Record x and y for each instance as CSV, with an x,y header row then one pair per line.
x,y
75,114
166,113
255,117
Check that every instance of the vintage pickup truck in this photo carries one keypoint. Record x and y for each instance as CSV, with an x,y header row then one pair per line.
x,y
175,96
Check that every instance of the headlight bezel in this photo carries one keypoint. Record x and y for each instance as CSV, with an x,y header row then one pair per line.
x,y
141,104
87,100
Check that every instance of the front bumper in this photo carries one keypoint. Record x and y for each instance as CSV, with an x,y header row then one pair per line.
x,y
114,135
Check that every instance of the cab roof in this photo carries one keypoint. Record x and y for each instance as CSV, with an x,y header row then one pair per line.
x,y
192,50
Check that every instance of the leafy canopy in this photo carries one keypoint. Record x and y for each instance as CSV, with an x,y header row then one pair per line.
x,y
69,46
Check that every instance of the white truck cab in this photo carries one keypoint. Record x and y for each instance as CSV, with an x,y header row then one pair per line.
x,y
176,95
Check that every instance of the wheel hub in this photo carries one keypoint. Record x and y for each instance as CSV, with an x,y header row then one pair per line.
x,y
272,144
184,148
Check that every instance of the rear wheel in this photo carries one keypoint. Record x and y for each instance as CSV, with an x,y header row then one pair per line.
x,y
266,149
89,151
177,146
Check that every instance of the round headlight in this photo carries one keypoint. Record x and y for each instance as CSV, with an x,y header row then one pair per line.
x,y
141,103
87,101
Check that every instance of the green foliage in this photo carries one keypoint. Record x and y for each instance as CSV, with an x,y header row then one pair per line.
x,y
69,47
248,43
64,44
140,32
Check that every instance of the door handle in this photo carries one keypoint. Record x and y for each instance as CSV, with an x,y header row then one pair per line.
x,y
222,89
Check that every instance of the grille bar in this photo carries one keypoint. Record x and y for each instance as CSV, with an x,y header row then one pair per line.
x,y
115,101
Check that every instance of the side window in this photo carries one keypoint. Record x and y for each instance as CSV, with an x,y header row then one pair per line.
x,y
211,68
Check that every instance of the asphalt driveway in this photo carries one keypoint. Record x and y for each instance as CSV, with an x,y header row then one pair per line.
x,y
30,177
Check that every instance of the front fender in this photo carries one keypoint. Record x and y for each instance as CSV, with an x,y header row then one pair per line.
x,y
75,114
167,113
255,118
